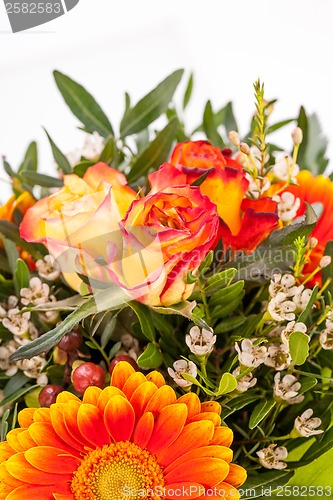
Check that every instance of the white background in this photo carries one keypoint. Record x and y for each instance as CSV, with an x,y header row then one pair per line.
x,y
111,46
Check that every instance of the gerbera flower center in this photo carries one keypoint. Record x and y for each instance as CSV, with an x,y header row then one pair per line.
x,y
120,471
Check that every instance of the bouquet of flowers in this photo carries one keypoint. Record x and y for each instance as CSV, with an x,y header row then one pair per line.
x,y
166,316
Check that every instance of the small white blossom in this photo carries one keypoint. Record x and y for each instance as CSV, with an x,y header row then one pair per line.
x,y
284,169
325,261
32,368
272,457
246,382
130,346
48,268
7,350
288,206
301,299
250,354
256,186
36,294
92,148
201,342
297,135
182,366
234,138
278,356
287,388
281,309
285,283
307,426
291,327
326,339
16,322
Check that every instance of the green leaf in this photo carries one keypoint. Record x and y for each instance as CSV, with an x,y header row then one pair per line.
x,y
304,315
220,280
223,310
151,106
307,384
33,178
260,412
58,156
227,294
299,347
312,151
110,150
81,168
227,384
145,318
277,126
255,486
12,253
83,105
22,274
238,403
183,309
8,169
156,153
30,161
188,91
151,357
15,383
210,127
317,473
320,447
229,324
225,117
18,394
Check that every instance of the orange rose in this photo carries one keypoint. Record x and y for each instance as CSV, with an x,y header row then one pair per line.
x,y
76,221
166,234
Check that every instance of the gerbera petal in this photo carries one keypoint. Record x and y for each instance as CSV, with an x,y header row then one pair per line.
x,y
119,418
59,496
7,478
120,373
106,395
143,430
237,475
20,468
229,492
90,422
42,415
141,397
13,441
208,415
132,383
44,434
192,437
65,396
70,414
211,406
91,395
223,436
53,460
192,402
164,396
168,426
37,492
209,471
189,490
156,377
6,451
26,417
25,440
60,428
216,451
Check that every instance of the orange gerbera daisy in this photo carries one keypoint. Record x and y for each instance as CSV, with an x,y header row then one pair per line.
x,y
130,440
319,189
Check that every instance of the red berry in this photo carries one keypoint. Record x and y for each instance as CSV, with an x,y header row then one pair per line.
x,y
123,357
71,341
48,395
86,375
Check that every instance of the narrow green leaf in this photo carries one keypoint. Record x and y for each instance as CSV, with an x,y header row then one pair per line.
x,y
210,127
188,91
229,324
220,280
18,394
83,105
183,309
299,347
22,274
238,403
15,383
156,153
267,482
223,310
150,107
227,294
81,168
109,151
145,318
58,156
277,126
260,412
33,178
151,357
307,384
30,161
227,384
8,169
